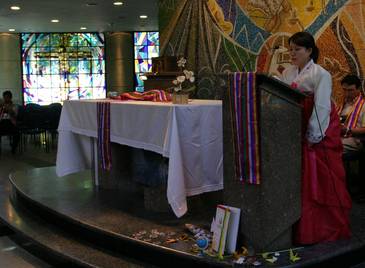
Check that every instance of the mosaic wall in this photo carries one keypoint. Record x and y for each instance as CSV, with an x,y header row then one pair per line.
x,y
245,35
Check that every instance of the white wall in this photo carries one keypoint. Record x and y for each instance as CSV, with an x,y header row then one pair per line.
x,y
10,66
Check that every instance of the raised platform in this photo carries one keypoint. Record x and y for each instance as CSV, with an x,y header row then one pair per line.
x,y
82,226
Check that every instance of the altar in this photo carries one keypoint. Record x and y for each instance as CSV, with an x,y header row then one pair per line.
x,y
190,136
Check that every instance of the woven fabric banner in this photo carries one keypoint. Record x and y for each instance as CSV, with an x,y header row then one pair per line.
x,y
353,116
244,102
104,148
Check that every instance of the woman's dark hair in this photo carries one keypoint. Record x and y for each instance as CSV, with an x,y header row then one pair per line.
x,y
306,40
7,93
351,79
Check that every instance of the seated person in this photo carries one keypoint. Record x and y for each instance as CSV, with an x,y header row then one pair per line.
x,y
352,115
8,113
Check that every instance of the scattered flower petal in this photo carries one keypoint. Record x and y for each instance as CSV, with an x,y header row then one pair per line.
x,y
293,256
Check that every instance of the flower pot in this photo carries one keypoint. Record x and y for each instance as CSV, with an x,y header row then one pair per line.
x,y
180,98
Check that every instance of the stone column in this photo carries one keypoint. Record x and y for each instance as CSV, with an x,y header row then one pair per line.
x,y
119,61
10,66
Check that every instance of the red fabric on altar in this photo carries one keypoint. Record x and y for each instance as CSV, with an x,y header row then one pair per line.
x,y
150,95
326,203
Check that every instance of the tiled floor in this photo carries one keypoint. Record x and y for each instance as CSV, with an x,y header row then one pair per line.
x,y
12,255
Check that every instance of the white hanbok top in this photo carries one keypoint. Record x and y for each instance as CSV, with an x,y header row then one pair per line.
x,y
313,79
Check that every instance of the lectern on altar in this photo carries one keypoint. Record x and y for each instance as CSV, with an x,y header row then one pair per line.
x,y
271,208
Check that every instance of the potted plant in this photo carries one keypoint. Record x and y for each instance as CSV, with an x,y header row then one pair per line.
x,y
183,84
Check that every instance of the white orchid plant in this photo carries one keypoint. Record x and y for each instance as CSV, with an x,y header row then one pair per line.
x,y
182,80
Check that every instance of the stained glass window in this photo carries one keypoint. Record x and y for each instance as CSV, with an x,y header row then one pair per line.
x,y
146,47
62,66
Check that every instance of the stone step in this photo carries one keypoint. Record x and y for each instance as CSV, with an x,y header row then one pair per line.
x,y
54,244
15,256
105,219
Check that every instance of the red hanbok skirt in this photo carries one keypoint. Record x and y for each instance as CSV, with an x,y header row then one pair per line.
x,y
326,203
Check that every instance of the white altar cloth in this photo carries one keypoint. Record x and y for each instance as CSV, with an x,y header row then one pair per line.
x,y
189,135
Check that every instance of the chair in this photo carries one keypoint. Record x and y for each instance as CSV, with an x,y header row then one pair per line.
x,y
53,114
354,163
12,132
19,122
33,124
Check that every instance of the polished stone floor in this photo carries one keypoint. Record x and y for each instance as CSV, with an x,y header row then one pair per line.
x,y
11,254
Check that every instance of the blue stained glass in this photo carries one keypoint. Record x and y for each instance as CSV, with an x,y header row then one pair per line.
x,y
146,47
73,80
140,38
72,52
141,52
84,92
42,52
98,66
73,66
32,81
26,95
84,40
28,40
86,80
29,67
43,40
85,66
98,91
153,51
92,53
43,67
98,81
149,62
97,40
44,96
73,93
25,68
25,81
139,80
56,40
74,40
56,83
44,81
53,64
153,39
56,95
142,65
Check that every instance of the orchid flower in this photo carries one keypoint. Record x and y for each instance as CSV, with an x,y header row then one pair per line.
x,y
187,75
178,88
181,62
181,78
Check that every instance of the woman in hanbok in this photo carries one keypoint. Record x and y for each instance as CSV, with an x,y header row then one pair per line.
x,y
326,203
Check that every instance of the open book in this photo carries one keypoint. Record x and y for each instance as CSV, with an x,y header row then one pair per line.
x,y
225,229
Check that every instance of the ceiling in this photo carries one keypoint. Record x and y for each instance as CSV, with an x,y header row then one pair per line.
x,y
96,15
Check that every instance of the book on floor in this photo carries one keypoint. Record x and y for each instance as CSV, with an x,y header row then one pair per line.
x,y
225,229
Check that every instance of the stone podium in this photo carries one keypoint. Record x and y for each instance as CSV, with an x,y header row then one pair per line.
x,y
268,210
